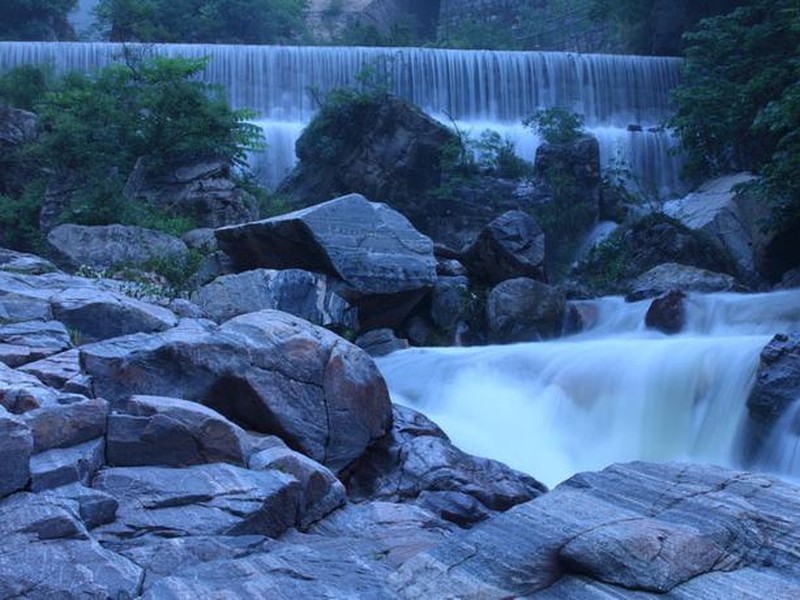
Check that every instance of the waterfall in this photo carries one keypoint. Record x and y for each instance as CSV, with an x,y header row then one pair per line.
x,y
616,392
479,89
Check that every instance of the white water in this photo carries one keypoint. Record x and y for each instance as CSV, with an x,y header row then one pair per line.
x,y
617,392
479,89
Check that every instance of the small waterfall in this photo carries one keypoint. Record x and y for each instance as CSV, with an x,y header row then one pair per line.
x,y
477,88
616,392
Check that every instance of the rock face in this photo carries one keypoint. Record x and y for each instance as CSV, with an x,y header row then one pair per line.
x,y
109,246
268,371
523,309
385,149
689,530
202,192
510,246
369,246
16,443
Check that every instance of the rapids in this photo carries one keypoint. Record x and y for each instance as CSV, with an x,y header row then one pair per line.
x,y
613,393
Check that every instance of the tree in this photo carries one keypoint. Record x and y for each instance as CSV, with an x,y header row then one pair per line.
x,y
35,19
738,106
203,21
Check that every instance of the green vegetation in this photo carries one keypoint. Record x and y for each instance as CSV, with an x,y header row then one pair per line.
x,y
738,106
94,127
35,19
556,125
203,21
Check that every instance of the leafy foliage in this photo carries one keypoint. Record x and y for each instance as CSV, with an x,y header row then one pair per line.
x,y
35,19
203,21
556,125
738,106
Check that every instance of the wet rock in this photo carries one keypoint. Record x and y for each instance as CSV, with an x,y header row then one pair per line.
x,y
667,313
380,342
510,246
150,430
523,309
450,303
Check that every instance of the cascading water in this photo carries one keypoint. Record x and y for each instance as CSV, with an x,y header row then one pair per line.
x,y
616,392
479,89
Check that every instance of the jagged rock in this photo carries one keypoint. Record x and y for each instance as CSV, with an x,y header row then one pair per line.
x,y
268,371
212,499
417,463
202,192
695,531
510,246
523,309
730,217
301,293
20,392
672,276
111,246
19,262
150,430
16,445
55,370
667,313
94,507
66,421
380,342
369,246
48,336
63,466
320,491
21,301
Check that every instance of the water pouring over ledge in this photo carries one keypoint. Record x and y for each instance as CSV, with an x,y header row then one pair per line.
x,y
614,393
478,88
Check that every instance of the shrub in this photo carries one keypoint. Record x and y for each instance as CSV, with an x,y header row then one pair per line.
x,y
556,125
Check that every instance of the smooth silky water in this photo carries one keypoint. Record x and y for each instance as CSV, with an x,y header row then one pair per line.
x,y
477,88
614,393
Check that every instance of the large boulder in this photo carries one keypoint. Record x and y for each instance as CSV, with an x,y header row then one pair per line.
x,y
16,444
510,246
379,146
369,246
202,192
21,262
523,309
302,293
631,530
112,246
267,371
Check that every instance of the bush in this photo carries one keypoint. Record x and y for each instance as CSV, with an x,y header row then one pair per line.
x,y
36,19
556,125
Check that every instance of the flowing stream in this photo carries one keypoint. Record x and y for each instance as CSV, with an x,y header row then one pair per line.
x,y
625,99
616,392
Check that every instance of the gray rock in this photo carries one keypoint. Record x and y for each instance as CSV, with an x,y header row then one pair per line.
x,y
450,303
202,239
16,446
20,262
20,392
150,430
94,507
63,466
21,301
369,246
321,492
693,530
523,309
380,342
202,192
417,463
214,499
98,315
68,422
268,371
16,126
301,293
55,370
667,313
672,276
726,215
110,246
49,337
510,246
